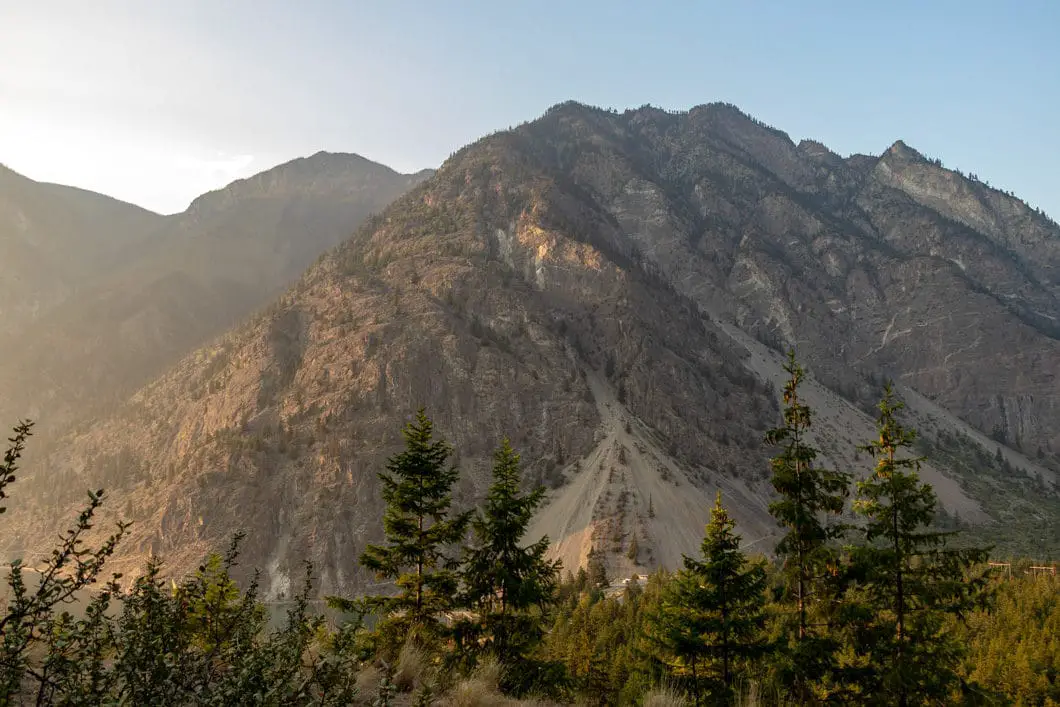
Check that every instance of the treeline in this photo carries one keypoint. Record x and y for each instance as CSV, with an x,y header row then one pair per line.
x,y
885,611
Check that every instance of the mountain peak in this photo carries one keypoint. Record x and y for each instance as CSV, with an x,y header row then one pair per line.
x,y
320,172
903,151
818,151
580,281
324,157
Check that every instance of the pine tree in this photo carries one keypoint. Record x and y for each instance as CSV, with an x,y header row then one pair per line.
x,y
417,491
598,578
510,586
807,494
712,615
911,579
735,590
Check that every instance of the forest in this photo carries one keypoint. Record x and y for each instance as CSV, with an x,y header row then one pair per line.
x,y
884,610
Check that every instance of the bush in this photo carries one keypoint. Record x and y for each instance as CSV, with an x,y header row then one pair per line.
x,y
199,641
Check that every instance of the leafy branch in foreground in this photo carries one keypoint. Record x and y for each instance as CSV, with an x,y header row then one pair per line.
x,y
64,640
71,568
16,445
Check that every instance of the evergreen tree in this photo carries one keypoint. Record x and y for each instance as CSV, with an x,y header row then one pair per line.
x,y
598,578
807,495
1013,649
736,593
911,579
510,586
417,491
712,615
674,631
634,549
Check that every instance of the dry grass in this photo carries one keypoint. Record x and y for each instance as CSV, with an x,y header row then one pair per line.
x,y
753,694
472,693
748,694
664,697
368,679
410,668
480,690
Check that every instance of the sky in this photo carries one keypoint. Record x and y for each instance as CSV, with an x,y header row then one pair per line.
x,y
157,102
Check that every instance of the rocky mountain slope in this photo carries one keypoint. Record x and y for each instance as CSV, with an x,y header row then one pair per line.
x,y
609,290
189,279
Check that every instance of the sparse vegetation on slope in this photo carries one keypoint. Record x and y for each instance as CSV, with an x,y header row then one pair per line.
x,y
469,618
584,259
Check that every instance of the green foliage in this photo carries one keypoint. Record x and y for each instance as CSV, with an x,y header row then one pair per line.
x,y
911,579
197,643
16,445
387,689
895,619
417,490
711,621
1026,509
201,641
204,640
509,587
806,495
601,641
35,617
1013,647
597,574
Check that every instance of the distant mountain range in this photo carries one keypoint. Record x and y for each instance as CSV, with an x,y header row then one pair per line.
x,y
55,240
612,291
103,295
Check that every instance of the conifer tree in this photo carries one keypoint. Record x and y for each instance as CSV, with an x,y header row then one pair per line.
x,y
634,548
417,490
510,585
674,631
808,494
598,578
712,616
736,593
911,579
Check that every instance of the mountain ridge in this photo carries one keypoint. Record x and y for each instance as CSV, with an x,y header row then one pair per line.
x,y
55,239
592,257
192,276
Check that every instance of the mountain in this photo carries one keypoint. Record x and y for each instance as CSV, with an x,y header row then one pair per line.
x,y
192,277
611,290
55,241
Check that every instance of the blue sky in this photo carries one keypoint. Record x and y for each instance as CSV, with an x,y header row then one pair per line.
x,y
157,102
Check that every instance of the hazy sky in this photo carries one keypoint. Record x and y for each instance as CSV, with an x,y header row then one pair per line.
x,y
156,102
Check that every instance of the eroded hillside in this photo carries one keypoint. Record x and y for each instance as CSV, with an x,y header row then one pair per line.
x,y
604,289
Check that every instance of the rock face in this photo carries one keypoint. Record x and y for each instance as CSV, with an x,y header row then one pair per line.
x,y
597,286
162,286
